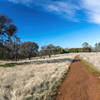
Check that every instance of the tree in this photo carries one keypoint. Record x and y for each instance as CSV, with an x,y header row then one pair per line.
x,y
13,46
11,30
85,44
86,49
7,31
60,50
29,49
97,47
51,50
47,50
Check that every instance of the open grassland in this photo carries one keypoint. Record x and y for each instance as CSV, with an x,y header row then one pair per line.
x,y
37,79
93,60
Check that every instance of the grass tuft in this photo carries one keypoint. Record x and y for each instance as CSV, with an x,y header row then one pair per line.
x,y
9,65
91,68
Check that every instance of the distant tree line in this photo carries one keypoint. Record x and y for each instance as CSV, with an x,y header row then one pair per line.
x,y
51,50
85,48
12,48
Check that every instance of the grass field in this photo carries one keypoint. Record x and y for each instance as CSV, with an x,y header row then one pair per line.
x,y
37,79
93,59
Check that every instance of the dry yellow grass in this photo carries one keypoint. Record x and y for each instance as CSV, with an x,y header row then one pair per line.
x,y
37,80
92,58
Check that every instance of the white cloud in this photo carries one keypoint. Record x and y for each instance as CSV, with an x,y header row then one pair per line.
x,y
92,8
65,9
62,8
68,8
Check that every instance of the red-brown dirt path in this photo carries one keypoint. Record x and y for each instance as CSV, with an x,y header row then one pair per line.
x,y
79,84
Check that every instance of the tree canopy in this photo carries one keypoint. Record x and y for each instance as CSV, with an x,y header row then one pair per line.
x,y
29,49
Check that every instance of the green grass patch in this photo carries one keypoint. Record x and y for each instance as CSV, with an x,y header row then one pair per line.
x,y
9,65
91,68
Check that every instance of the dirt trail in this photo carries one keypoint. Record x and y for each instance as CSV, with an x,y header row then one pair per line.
x,y
79,84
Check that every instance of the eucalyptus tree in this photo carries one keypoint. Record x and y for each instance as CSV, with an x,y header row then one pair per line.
x,y
85,45
97,47
29,49
7,32
48,50
7,28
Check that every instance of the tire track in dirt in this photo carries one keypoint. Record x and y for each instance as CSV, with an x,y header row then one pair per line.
x,y
79,84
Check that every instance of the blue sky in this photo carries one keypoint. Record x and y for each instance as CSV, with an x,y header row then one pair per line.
x,y
67,23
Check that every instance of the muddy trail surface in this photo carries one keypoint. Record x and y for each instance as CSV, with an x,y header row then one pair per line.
x,y
79,84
